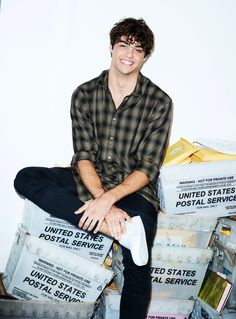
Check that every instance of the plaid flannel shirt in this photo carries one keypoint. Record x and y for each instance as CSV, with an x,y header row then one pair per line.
x,y
119,141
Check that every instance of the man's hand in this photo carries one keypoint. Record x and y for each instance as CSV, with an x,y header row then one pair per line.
x,y
94,213
115,221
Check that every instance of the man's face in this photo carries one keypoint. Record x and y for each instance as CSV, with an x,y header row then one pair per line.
x,y
127,56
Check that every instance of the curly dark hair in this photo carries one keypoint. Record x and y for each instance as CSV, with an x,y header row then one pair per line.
x,y
135,30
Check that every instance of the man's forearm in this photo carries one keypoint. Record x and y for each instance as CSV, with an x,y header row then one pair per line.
x,y
101,211
90,178
131,184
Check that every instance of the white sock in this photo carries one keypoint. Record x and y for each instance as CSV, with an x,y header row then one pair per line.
x,y
135,240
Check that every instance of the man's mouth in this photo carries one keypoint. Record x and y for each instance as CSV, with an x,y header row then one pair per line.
x,y
126,62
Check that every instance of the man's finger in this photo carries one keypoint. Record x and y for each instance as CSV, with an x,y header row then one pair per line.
x,y
98,226
127,217
82,221
81,209
122,226
88,224
111,230
92,224
117,230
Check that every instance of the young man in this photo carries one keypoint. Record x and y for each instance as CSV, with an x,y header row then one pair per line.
x,y
121,124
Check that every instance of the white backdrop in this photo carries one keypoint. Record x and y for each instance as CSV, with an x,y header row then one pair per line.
x,y
49,47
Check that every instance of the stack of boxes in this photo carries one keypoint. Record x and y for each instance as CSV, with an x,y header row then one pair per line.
x,y
192,198
224,262
206,188
52,260
180,258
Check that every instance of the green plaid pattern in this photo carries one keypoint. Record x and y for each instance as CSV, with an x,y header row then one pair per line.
x,y
118,141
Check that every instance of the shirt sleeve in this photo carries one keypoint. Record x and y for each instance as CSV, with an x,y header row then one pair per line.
x,y
84,144
152,148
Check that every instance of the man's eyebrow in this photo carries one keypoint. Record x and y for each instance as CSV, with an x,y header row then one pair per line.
x,y
128,43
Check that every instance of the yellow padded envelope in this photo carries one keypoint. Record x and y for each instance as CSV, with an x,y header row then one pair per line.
x,y
195,159
208,155
179,153
187,160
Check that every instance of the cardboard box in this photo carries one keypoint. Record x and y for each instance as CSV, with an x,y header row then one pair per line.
x,y
181,238
203,310
192,231
158,308
198,188
37,269
176,273
65,235
20,309
187,222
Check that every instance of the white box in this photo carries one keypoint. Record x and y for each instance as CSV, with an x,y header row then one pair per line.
x,y
192,231
181,238
45,309
159,308
202,188
187,222
37,269
224,261
177,273
202,310
226,232
65,235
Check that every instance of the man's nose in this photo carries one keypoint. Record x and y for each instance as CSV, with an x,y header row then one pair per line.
x,y
130,51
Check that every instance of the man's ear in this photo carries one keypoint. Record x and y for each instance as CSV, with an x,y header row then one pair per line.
x,y
110,49
145,59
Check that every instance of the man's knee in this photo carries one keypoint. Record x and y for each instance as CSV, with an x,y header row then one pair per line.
x,y
21,179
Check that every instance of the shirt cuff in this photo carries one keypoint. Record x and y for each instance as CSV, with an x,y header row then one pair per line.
x,y
82,155
150,168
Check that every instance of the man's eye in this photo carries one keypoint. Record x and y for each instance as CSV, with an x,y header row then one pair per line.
x,y
139,50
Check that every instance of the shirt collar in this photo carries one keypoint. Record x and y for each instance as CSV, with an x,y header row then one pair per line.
x,y
140,87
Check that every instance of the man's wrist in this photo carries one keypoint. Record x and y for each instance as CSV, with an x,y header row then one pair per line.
x,y
99,193
108,196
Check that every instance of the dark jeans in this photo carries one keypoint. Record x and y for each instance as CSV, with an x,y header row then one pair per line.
x,y
54,190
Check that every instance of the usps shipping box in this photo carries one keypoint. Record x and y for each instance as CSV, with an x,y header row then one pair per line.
x,y
202,310
39,223
198,188
195,222
176,273
191,231
20,309
158,308
181,238
37,269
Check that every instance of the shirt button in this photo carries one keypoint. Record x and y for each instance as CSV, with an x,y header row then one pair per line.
x,y
114,118
112,169
111,138
109,157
